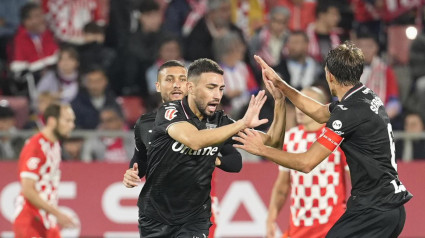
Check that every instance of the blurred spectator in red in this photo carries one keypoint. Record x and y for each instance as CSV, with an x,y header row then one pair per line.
x,y
181,16
141,50
169,49
378,76
248,15
10,147
268,42
63,81
303,70
92,98
93,51
322,33
216,22
302,13
109,149
34,47
240,82
9,23
413,123
67,18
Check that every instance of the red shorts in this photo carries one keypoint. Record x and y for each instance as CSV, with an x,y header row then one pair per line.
x,y
30,224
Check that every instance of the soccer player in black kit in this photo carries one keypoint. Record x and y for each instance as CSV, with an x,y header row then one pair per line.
x,y
359,124
184,144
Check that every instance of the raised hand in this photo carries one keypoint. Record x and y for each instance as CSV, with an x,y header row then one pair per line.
x,y
268,72
275,92
251,141
252,113
131,176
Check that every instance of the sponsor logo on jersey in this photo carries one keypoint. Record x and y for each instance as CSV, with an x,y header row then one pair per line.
x,y
170,114
33,162
342,107
182,149
375,104
366,91
337,124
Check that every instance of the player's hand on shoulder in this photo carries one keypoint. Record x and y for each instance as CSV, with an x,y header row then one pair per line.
x,y
65,221
250,118
131,176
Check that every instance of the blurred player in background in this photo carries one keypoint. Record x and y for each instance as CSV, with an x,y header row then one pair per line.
x,y
37,213
318,199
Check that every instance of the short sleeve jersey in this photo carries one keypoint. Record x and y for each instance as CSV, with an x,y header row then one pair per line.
x,y
362,127
40,160
318,198
178,179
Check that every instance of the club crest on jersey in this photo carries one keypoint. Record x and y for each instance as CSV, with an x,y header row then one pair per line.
x,y
33,162
170,114
337,124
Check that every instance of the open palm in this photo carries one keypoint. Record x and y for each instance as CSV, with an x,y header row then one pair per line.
x,y
251,118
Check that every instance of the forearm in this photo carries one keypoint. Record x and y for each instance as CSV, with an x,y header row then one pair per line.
x,y
277,201
276,132
295,161
139,157
34,198
309,106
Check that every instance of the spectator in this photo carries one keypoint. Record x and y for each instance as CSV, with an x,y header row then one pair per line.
x,y
238,76
322,33
216,22
417,69
302,13
34,47
303,70
63,81
378,76
36,120
92,98
9,22
142,46
110,149
169,49
248,15
93,51
67,18
268,42
10,147
182,15
413,123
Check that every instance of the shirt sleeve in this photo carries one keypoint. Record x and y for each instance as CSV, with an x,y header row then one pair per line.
x,y
169,114
32,159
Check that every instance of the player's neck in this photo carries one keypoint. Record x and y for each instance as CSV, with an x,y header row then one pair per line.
x,y
194,108
342,90
48,133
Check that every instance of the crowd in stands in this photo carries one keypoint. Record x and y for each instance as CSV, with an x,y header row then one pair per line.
x,y
102,57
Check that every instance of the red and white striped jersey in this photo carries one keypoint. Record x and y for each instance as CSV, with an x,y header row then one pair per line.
x,y
40,160
318,198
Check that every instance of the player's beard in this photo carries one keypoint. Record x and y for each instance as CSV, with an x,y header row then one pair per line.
x,y
202,107
58,135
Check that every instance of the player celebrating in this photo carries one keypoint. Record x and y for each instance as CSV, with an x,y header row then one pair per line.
x,y
359,124
37,212
172,85
175,200
318,198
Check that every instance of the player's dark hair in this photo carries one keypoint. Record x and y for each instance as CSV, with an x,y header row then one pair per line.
x,y
94,28
27,9
201,66
53,110
324,5
148,6
345,63
170,63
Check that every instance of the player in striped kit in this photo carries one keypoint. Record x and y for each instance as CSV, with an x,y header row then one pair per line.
x,y
318,198
37,213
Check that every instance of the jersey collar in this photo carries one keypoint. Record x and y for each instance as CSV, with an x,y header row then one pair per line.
x,y
352,91
188,112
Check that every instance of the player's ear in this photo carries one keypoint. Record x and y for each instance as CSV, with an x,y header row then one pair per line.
x,y
190,87
158,87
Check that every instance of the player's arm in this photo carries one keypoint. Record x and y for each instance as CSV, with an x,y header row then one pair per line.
x,y
276,133
138,163
230,160
189,135
278,197
251,141
31,194
314,109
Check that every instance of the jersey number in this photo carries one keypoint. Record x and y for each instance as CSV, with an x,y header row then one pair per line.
x,y
392,146
398,188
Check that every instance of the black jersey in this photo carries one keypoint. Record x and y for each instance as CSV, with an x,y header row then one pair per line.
x,y
368,143
178,179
